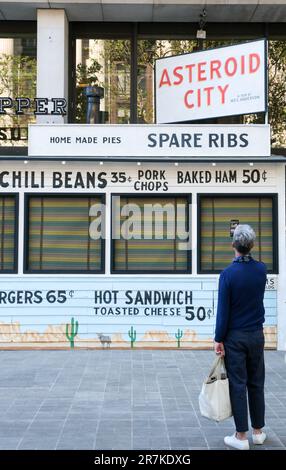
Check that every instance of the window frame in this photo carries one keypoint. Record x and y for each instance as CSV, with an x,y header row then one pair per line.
x,y
275,224
26,269
119,32
188,197
16,234
17,29
135,31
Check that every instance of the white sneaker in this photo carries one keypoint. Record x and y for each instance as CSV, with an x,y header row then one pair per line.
x,y
259,438
232,441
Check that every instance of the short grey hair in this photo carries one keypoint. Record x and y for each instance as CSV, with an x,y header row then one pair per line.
x,y
243,238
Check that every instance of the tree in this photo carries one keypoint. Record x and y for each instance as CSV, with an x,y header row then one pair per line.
x,y
17,78
277,92
111,70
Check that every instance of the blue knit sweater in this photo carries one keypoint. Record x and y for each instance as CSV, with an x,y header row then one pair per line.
x,y
240,297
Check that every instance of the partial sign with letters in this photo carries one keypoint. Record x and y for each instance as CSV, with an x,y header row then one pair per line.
x,y
138,312
137,140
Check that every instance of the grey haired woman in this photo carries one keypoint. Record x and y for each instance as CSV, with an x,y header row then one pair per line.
x,y
239,337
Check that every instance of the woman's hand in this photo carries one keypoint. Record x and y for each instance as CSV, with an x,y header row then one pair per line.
x,y
219,349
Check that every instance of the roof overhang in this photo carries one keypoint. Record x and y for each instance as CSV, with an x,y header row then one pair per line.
x,y
150,10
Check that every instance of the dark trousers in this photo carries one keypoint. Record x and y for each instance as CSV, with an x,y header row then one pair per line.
x,y
244,361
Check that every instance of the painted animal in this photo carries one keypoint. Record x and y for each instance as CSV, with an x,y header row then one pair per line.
x,y
104,339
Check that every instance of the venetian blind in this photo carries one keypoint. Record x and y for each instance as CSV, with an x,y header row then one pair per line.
x,y
216,216
59,235
147,245
7,232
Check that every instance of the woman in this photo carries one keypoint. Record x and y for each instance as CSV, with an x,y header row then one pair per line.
x,y
239,337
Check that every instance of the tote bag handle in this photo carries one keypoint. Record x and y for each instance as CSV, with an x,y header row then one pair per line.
x,y
217,368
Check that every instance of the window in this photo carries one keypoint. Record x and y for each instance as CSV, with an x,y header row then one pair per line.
x,y
18,65
218,215
150,234
8,233
149,50
64,234
104,63
127,75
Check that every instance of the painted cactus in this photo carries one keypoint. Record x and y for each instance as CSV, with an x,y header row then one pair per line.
x,y
179,336
73,333
132,336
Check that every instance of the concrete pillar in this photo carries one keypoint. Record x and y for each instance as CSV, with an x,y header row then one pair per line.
x,y
52,59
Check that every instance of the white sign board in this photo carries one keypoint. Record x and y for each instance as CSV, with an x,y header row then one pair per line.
x,y
128,177
139,312
76,140
218,82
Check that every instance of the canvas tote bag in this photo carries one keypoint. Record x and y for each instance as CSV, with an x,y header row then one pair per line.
x,y
214,398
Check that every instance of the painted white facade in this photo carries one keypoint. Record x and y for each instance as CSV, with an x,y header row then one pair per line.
x,y
90,298
153,141
30,324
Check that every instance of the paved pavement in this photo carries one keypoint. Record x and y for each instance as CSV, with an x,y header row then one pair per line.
x,y
120,400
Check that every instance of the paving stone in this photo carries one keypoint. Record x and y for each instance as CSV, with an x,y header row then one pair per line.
x,y
30,443
75,443
215,441
17,413
13,428
198,448
120,400
9,443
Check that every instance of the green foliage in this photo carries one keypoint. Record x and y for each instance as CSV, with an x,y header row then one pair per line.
x,y
132,336
277,92
179,336
113,66
17,78
117,51
111,70
73,333
148,52
117,58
